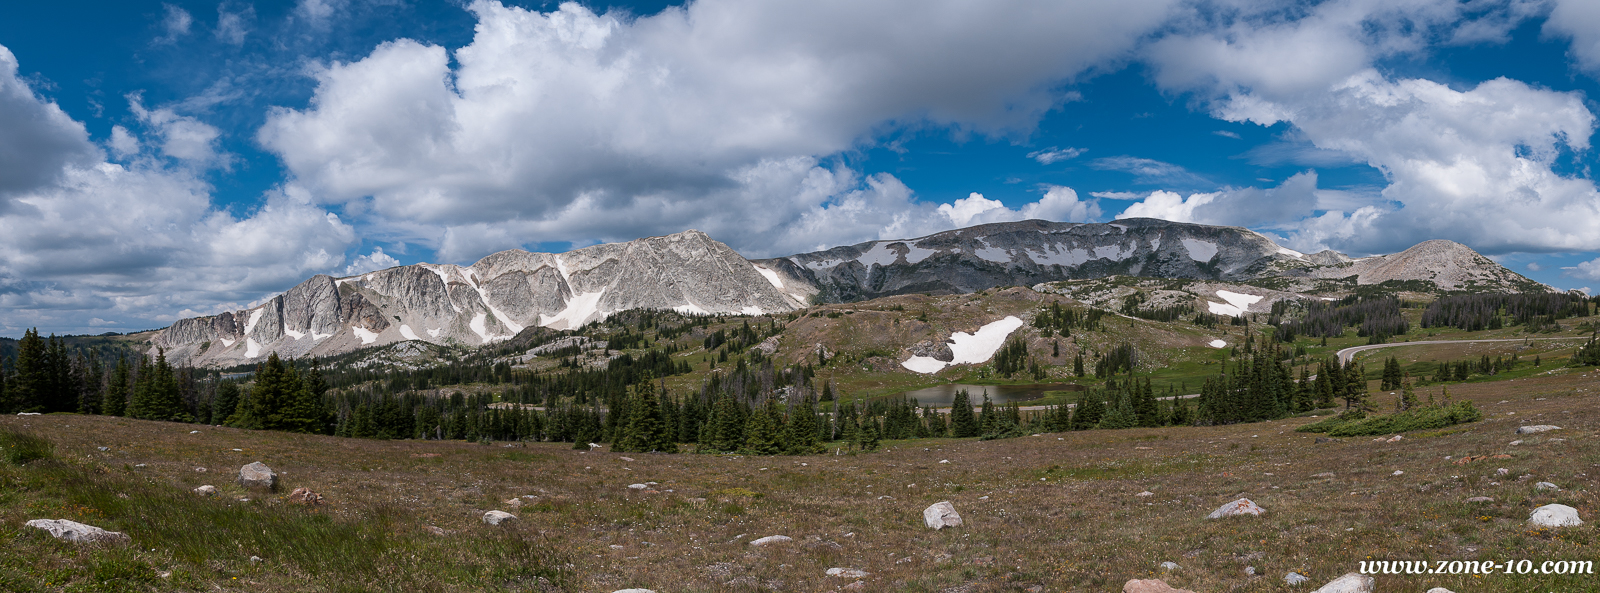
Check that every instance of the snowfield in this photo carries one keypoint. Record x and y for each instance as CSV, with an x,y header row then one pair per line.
x,y
1237,303
968,348
1218,344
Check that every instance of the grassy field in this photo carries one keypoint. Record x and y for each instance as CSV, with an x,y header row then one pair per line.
x,y
1057,512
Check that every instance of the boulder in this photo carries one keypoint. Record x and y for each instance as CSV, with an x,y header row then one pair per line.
x,y
848,573
258,475
637,486
1440,590
1295,578
941,515
1150,586
498,517
1546,486
1349,583
514,503
1243,506
305,496
770,540
1555,515
206,490
1537,428
74,531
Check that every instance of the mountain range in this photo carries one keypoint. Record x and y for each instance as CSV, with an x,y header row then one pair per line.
x,y
501,295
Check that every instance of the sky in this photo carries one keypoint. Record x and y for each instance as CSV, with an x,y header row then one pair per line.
x,y
162,160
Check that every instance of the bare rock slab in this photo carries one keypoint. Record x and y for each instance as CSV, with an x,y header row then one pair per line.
x,y
1150,586
498,517
74,531
1243,506
258,475
941,515
1537,428
771,540
1555,515
1349,583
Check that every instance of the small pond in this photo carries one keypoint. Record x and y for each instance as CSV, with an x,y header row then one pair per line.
x,y
942,395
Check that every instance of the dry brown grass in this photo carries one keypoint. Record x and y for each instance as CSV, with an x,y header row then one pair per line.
x,y
1057,511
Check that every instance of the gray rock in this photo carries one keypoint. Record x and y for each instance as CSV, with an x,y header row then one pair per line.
x,y
1150,586
940,515
1547,486
74,531
1440,590
206,490
1480,499
848,573
1243,506
771,540
1537,428
1295,578
1555,515
1170,565
1323,475
498,517
633,591
258,475
1349,583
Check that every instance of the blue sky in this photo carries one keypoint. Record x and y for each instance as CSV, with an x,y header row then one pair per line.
x,y
166,159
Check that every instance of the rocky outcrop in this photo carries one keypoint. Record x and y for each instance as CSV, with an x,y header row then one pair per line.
x,y
258,475
941,515
74,531
1447,265
1243,506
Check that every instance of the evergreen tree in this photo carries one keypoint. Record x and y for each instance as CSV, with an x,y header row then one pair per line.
x,y
161,400
226,400
91,394
1144,405
962,423
986,417
1408,395
1077,364
31,378
1120,414
1180,415
727,427
800,433
761,432
116,399
1091,408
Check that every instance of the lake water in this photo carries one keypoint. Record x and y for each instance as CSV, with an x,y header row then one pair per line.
x,y
942,395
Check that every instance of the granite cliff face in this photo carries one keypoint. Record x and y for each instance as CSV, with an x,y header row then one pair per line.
x,y
506,292
488,301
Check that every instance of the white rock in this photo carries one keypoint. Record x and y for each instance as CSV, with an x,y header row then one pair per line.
x,y
206,490
498,517
74,531
1398,473
1295,578
1555,515
1170,565
637,486
258,475
944,461
1349,583
771,540
1440,590
848,573
1243,506
633,591
1516,442
941,515
1546,486
1395,439
1145,493
1502,472
1537,428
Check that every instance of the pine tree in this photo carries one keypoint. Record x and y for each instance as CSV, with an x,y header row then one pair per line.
x,y
986,418
1408,395
761,432
116,399
1144,407
727,427
28,384
800,436
1120,414
1091,408
1077,364
962,423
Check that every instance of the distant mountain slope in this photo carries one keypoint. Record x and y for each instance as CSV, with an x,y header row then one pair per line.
x,y
506,292
488,301
1033,251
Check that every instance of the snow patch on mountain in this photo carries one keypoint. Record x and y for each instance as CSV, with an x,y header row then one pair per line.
x,y
994,254
880,254
366,335
579,310
917,254
434,332
1237,305
254,317
251,348
968,348
751,310
405,331
293,334
771,277
1069,257
1201,251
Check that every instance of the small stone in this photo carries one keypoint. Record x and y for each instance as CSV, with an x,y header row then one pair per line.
x,y
638,486
1295,578
1398,473
514,503
1440,590
1249,571
1555,515
104,448
1516,442
255,559
73,531
856,586
1150,586
436,530
1395,439
206,490
1537,428
1323,475
944,461
1502,472
140,465
1349,583
771,540
616,547
848,573
194,432
626,458
1243,506
1547,486
1480,499
940,515
633,591
498,517
1170,565
258,475
1145,493
199,470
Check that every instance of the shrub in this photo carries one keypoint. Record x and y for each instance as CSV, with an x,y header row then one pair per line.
x,y
1434,417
